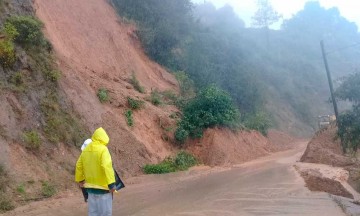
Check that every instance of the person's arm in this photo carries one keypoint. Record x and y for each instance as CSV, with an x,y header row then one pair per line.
x,y
79,172
106,164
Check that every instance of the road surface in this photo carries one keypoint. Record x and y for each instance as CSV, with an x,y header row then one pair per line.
x,y
268,186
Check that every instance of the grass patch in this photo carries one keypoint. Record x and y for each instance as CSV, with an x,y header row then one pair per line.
x,y
136,84
156,98
103,95
5,204
170,96
48,190
129,118
21,189
7,53
181,162
52,75
59,124
135,104
32,140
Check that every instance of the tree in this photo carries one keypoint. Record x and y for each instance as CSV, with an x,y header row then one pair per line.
x,y
265,16
211,107
349,122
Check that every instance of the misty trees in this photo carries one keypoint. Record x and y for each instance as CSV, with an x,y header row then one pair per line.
x,y
265,16
164,25
349,122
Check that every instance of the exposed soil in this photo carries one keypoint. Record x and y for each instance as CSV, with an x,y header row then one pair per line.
x,y
326,149
95,49
223,147
317,182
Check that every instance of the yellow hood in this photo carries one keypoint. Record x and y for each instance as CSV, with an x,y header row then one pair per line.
x,y
100,136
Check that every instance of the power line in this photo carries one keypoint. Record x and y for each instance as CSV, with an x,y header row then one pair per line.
x,y
343,48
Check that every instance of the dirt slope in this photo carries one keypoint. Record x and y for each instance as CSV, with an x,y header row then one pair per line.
x,y
223,147
94,49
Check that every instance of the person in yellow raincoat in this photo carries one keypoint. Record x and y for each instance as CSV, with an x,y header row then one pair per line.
x,y
94,171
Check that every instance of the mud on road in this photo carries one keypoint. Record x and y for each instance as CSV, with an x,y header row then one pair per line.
x,y
268,186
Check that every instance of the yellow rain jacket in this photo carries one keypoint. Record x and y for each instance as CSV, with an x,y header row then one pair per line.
x,y
94,164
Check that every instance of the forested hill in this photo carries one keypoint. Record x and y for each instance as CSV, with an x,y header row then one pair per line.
x,y
273,76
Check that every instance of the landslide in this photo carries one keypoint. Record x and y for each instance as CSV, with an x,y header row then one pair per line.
x,y
93,49
325,148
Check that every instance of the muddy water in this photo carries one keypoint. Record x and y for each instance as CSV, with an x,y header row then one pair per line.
x,y
269,186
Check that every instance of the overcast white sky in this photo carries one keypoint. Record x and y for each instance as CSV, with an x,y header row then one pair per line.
x,y
246,8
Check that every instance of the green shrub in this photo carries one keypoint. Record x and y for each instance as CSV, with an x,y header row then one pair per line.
x,y
181,162
129,118
32,139
136,84
166,166
349,122
52,75
7,53
184,160
156,98
103,95
181,135
48,190
212,107
135,104
29,30
349,129
10,31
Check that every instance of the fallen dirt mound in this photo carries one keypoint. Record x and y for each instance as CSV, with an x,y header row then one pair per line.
x,y
316,183
321,177
325,148
223,147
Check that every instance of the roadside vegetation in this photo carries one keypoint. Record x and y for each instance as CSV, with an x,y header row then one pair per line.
x,y
264,71
181,162
103,95
41,76
211,107
29,74
349,121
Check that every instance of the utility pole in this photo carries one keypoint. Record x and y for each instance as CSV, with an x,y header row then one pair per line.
x,y
329,79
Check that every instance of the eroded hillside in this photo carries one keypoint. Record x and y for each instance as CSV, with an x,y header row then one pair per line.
x,y
95,50
91,48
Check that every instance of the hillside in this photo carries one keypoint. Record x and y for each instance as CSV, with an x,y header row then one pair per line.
x,y
94,50
91,48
